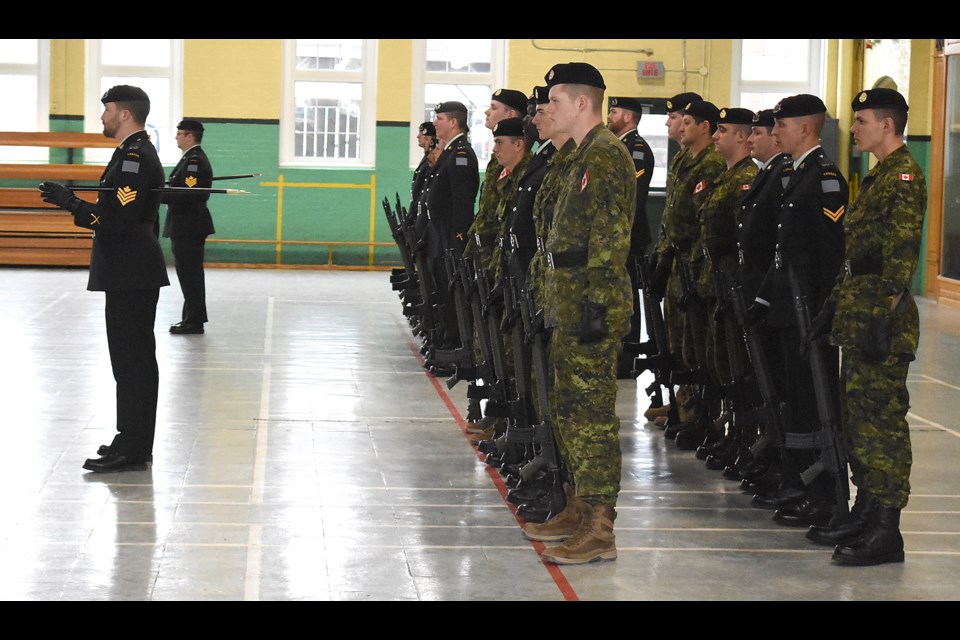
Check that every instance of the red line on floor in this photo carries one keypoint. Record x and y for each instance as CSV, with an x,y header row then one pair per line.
x,y
558,578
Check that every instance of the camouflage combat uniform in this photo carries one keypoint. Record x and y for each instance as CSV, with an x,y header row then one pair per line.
x,y
485,223
587,252
717,249
883,231
543,208
692,182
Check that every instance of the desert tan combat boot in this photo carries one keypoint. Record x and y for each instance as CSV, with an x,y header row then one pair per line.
x,y
482,426
593,541
653,413
562,526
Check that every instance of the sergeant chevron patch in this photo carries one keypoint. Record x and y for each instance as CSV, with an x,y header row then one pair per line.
x,y
191,181
126,195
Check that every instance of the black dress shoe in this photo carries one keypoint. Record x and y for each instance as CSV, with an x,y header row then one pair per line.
x,y
185,327
113,463
777,499
805,513
105,450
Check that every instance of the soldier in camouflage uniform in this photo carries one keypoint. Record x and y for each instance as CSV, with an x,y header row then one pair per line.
x,y
809,244
681,232
717,244
512,154
672,316
504,103
587,301
876,323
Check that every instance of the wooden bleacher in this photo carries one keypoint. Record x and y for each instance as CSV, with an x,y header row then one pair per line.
x,y
32,232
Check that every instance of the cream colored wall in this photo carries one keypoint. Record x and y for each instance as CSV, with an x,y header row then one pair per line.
x,y
689,65
394,78
232,78
66,77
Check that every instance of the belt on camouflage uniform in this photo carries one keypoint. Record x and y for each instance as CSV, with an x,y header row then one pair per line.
x,y
485,239
866,266
566,259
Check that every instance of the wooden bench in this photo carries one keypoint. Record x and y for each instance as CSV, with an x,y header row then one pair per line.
x,y
32,232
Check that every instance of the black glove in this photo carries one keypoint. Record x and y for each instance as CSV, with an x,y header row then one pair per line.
x,y
593,323
58,195
756,313
819,326
875,343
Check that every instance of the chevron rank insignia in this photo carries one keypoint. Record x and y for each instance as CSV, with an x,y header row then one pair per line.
x,y
641,172
833,215
126,195
191,181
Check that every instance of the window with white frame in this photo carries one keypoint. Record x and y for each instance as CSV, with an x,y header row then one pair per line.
x,y
464,70
25,80
329,103
154,65
772,69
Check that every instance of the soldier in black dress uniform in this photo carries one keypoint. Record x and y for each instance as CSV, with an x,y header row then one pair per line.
x,y
127,264
623,117
810,242
189,223
448,200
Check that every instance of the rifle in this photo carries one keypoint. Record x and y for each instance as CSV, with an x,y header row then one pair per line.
x,y
546,463
773,413
661,362
513,447
832,457
487,318
689,296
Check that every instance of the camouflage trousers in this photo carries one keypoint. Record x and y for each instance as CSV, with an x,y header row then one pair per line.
x,y
874,402
583,398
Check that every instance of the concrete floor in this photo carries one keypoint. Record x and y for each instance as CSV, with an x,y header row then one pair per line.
x,y
302,453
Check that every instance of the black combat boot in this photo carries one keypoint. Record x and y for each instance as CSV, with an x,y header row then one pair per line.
x,y
881,541
847,528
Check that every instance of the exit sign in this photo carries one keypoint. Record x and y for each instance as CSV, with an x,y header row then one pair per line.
x,y
649,70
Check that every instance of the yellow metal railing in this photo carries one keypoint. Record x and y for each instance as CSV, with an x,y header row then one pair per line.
x,y
279,242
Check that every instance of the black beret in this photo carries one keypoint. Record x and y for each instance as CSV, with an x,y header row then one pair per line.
x,y
633,104
512,98
763,118
190,125
803,104
124,93
703,110
541,94
880,99
427,129
509,127
450,106
575,73
680,101
736,115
